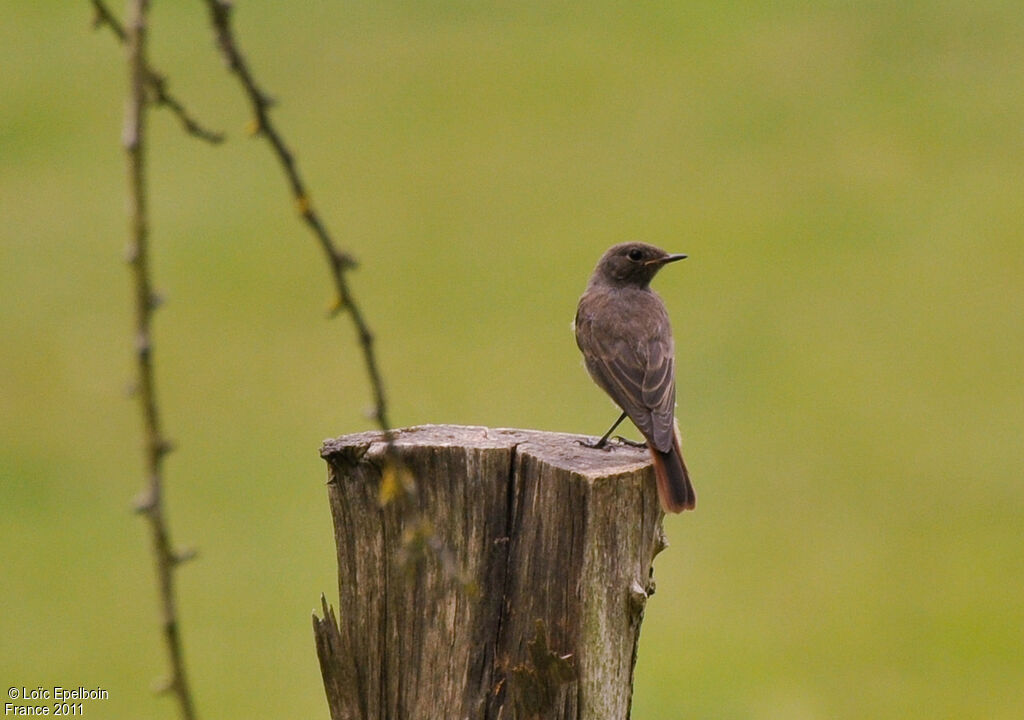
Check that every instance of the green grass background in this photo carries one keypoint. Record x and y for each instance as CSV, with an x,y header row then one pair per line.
x,y
847,177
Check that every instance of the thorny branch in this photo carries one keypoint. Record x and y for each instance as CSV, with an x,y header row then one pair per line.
x,y
338,261
150,87
397,484
150,502
154,81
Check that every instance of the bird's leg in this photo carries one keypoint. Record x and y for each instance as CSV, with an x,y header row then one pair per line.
x,y
604,440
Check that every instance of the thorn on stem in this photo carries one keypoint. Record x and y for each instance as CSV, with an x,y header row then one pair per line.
x,y
144,502
343,260
163,446
184,555
336,306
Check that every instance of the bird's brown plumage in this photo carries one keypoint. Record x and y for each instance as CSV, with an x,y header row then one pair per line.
x,y
623,330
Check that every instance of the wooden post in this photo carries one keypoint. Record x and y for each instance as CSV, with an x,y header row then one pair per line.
x,y
528,600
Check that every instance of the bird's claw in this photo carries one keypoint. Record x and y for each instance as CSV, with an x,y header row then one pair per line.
x,y
630,443
607,446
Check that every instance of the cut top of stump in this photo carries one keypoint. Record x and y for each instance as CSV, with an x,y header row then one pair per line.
x,y
563,451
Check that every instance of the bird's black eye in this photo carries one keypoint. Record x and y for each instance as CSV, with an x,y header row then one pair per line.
x,y
635,255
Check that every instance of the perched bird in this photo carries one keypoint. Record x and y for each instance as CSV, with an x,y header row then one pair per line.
x,y
622,328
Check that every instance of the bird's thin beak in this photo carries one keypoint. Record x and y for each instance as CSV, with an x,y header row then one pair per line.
x,y
667,259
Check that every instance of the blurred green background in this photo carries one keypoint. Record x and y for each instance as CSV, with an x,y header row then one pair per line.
x,y
847,177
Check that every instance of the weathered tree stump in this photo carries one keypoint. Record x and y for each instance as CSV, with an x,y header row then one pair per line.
x,y
527,598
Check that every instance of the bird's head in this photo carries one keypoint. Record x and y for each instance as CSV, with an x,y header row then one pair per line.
x,y
632,263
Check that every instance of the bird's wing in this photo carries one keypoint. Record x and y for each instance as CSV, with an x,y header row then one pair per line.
x,y
659,390
637,375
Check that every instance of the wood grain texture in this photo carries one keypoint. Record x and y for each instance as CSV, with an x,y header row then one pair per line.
x,y
553,543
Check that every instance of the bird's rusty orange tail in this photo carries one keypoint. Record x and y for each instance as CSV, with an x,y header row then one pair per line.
x,y
674,488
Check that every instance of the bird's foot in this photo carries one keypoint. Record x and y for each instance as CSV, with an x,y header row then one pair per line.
x,y
630,443
601,444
